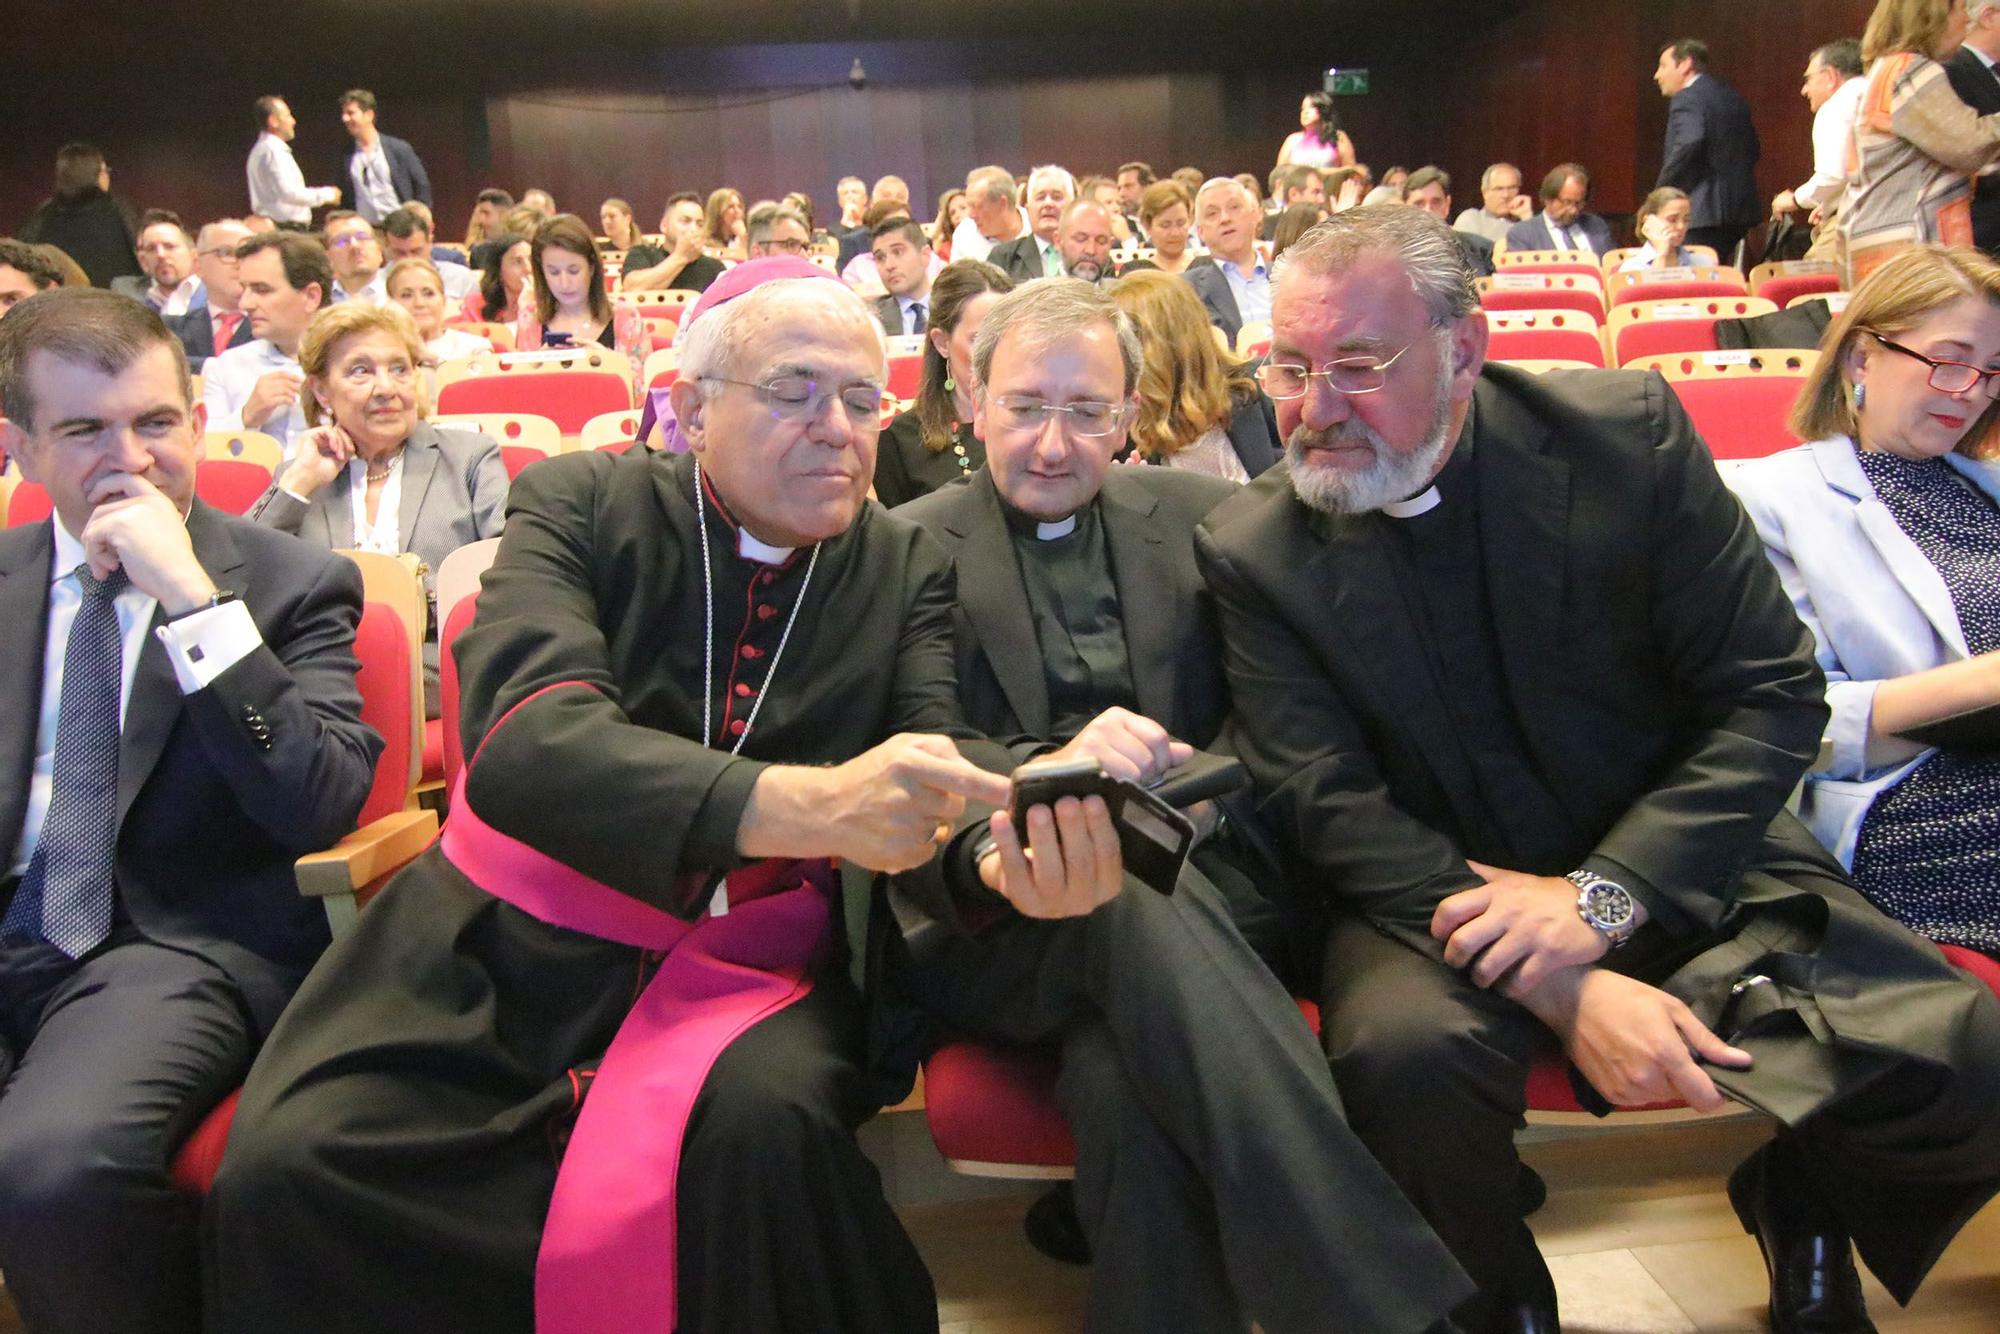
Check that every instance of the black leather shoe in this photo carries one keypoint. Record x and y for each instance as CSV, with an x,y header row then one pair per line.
x,y
1814,1286
1527,1305
1054,1229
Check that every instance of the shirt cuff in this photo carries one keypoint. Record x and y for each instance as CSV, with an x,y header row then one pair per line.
x,y
204,644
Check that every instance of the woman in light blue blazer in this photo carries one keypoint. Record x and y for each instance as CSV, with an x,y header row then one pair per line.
x,y
371,473
1886,532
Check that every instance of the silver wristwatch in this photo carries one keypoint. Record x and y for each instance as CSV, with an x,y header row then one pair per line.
x,y
1605,906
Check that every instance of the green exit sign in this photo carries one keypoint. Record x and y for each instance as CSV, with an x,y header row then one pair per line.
x,y
1346,82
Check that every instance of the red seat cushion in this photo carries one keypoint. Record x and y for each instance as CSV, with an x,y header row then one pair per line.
x,y
568,398
30,504
1689,289
383,644
200,1156
452,747
1782,289
433,750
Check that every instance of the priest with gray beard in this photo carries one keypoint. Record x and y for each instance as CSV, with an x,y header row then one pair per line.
x,y
1523,697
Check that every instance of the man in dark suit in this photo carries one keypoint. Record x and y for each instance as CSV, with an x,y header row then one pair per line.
x,y
1521,691
1429,188
1037,253
1234,283
1711,150
382,173
1974,70
170,749
903,262
215,324
1217,1181
1563,224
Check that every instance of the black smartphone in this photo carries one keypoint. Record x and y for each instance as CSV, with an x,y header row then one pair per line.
x,y
1045,782
1153,837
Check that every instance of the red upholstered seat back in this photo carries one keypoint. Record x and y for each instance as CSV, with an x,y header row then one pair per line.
x,y
455,622
516,457
231,485
1742,418
1545,345
1783,288
568,398
30,503
1650,338
1584,299
383,645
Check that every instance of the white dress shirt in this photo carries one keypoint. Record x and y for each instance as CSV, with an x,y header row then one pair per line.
x,y
375,291
223,635
181,300
1572,237
374,191
278,189
385,535
1832,124
967,242
227,379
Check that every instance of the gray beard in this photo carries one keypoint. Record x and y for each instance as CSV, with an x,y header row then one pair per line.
x,y
1392,477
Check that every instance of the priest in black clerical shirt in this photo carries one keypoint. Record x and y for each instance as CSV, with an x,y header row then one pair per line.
x,y
1216,1179
693,680
1524,698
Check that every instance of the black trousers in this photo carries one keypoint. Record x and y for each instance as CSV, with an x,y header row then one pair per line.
x,y
1216,1177
395,1151
1724,240
1901,1118
114,1059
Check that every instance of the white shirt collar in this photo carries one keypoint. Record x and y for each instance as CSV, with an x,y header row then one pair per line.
x,y
750,548
1984,59
68,554
1423,502
1049,532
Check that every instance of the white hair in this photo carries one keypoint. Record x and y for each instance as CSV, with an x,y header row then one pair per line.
x,y
709,347
1218,183
1069,181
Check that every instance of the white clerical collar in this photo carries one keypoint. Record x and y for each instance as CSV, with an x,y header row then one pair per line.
x,y
1049,532
1422,503
750,548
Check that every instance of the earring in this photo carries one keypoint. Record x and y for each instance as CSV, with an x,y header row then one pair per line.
x,y
1860,396
950,385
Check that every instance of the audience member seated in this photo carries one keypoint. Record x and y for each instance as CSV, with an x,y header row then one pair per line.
x,y
1429,188
1562,224
1296,185
371,474
216,323
775,229
621,233
1501,204
1345,187
1397,179
1103,190
84,219
1219,1185
992,214
906,266
356,254
539,200
382,173
1236,286
521,220
256,387
893,188
1886,533
951,210
166,253
851,194
933,443
722,221
1199,407
186,724
1084,238
498,300
1319,141
489,212
682,265
406,234
72,272
1166,214
414,284
1133,178
1663,225
571,307
1916,147
1492,820
24,271
859,271
1038,254
1190,178
1293,223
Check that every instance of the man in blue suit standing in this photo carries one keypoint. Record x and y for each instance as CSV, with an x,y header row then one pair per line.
x,y
1711,149
382,173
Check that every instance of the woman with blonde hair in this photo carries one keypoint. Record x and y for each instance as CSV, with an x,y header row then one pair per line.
x,y
416,285
1166,215
371,473
1199,407
723,218
1916,146
1886,532
621,232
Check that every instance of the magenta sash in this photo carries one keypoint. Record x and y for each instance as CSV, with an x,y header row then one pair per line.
x,y
608,1253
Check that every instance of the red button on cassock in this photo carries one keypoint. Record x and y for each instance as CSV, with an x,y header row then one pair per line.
x,y
736,727
766,612
742,691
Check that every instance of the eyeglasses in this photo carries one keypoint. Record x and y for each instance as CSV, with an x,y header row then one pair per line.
x,y
1948,377
218,252
797,398
1350,375
347,239
1087,418
788,247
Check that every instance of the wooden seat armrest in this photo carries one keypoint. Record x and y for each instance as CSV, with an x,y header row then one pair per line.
x,y
367,854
